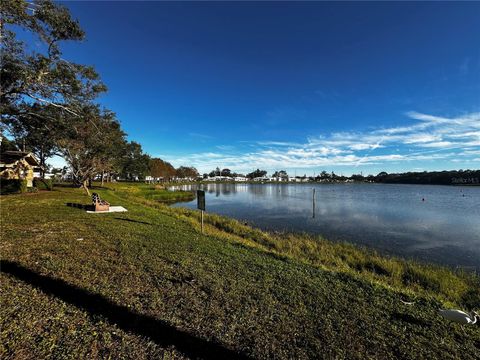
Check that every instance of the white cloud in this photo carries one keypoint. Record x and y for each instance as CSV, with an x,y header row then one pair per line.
x,y
278,143
363,146
438,144
421,138
225,147
470,152
428,118
446,138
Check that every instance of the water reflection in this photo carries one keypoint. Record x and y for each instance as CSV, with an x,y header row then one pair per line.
x,y
443,228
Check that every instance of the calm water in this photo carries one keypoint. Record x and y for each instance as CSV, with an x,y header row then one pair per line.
x,y
445,228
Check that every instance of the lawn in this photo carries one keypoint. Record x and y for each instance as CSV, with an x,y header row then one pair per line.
x,y
147,283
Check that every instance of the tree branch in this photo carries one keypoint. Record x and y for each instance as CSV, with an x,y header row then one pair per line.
x,y
51,103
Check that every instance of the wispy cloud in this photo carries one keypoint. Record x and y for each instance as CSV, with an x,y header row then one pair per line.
x,y
278,143
426,138
200,136
225,147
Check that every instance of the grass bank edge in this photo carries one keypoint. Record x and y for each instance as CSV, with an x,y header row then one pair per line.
x,y
409,278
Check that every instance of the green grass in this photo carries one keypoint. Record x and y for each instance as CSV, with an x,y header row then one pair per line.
x,y
71,282
152,192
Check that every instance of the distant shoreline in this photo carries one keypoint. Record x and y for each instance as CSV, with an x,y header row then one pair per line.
x,y
446,177
307,183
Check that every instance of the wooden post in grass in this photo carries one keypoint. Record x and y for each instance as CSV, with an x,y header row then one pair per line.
x,y
313,201
201,203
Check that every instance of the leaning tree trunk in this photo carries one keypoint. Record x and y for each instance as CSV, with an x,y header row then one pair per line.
x,y
85,186
43,163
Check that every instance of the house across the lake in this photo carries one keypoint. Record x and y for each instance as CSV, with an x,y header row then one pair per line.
x,y
19,165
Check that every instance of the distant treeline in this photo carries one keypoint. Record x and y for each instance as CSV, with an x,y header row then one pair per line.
x,y
446,177
452,177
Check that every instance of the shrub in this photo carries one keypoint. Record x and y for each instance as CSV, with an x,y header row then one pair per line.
x,y
13,186
23,186
43,184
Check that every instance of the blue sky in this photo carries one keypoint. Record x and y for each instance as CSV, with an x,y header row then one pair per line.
x,y
306,87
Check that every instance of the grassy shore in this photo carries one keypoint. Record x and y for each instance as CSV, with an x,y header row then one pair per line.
x,y
147,283
155,192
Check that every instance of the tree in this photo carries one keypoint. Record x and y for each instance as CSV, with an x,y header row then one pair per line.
x,y
357,177
161,169
134,163
7,145
41,75
282,174
110,161
192,172
216,172
40,89
89,141
36,130
226,172
257,173
186,172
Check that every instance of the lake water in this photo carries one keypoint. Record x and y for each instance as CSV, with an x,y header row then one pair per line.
x,y
443,228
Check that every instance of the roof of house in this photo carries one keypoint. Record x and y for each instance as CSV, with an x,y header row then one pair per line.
x,y
11,157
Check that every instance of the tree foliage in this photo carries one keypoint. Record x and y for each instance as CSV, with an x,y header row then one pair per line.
x,y
7,145
257,173
432,177
282,174
37,130
161,169
186,172
134,164
42,75
89,142
47,102
226,172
